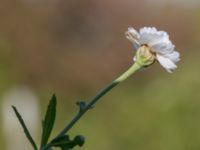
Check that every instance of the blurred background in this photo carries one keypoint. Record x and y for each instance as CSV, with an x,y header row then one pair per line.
x,y
74,48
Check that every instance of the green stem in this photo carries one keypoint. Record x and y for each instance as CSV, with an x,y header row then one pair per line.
x,y
91,103
129,72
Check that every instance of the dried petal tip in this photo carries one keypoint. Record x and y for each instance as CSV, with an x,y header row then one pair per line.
x,y
132,35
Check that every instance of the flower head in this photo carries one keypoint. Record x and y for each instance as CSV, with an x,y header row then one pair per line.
x,y
153,45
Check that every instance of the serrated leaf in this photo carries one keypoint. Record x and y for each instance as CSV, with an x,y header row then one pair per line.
x,y
49,121
27,133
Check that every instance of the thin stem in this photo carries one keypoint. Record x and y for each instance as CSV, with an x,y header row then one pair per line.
x,y
87,107
129,72
91,103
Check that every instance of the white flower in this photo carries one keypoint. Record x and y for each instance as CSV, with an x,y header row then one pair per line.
x,y
158,44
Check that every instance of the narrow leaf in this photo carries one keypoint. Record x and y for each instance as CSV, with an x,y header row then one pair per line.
x,y
49,121
27,133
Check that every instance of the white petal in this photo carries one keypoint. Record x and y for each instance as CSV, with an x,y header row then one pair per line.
x,y
163,48
163,34
143,30
147,38
162,37
166,63
174,56
148,30
151,36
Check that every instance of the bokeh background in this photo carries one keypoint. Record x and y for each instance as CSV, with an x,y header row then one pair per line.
x,y
73,48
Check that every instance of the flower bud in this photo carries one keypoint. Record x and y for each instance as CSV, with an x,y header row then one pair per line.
x,y
144,56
